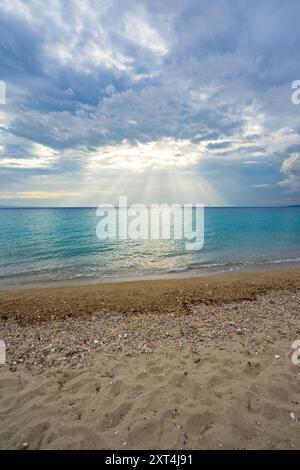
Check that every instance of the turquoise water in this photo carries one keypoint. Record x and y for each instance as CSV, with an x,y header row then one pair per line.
x,y
49,246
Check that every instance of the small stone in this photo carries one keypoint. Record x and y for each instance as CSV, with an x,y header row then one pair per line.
x,y
292,415
96,341
277,356
24,445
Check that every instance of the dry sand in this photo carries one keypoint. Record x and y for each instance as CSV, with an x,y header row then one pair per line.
x,y
188,364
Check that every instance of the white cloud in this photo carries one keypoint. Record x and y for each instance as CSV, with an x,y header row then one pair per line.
x,y
283,139
39,156
161,154
291,167
17,7
38,194
138,30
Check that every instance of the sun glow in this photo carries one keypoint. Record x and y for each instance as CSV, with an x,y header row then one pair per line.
x,y
160,154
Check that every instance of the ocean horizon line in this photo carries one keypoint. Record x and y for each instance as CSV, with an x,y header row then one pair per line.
x,y
149,206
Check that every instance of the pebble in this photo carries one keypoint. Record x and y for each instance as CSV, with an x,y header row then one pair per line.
x,y
292,415
25,445
36,347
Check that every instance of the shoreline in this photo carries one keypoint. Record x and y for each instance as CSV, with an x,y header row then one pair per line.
x,y
180,273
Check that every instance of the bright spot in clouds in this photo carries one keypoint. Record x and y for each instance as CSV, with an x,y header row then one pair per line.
x,y
160,154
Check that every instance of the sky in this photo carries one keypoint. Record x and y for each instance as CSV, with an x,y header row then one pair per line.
x,y
163,101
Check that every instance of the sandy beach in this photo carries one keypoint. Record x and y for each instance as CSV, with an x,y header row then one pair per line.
x,y
200,363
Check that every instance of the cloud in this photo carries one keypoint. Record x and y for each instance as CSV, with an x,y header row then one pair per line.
x,y
139,31
38,156
291,167
38,195
159,154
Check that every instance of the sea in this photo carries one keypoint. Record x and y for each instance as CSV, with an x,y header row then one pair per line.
x,y
59,246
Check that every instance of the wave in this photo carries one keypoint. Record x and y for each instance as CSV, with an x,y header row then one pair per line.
x,y
227,265
88,274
